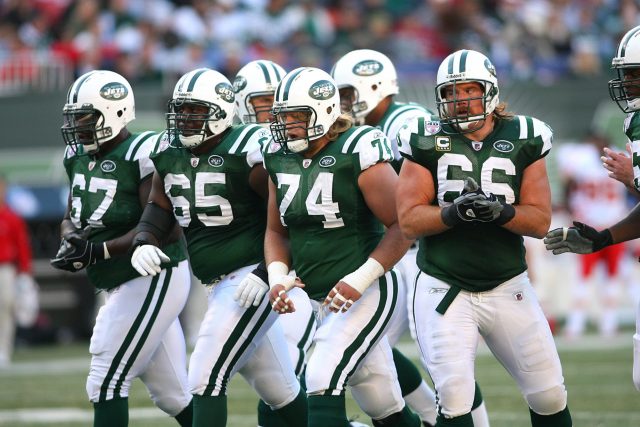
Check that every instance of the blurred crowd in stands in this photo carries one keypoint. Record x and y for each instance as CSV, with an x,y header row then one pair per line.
x,y
539,40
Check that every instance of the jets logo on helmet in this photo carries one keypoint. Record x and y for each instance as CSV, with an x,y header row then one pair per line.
x,y
239,83
113,91
369,67
321,90
225,90
625,89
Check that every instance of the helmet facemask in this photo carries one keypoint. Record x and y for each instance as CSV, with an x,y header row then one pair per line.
x,y
191,122
460,117
256,113
350,103
625,90
294,128
84,127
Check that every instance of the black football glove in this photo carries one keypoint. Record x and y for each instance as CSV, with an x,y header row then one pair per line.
x,y
579,239
76,252
471,206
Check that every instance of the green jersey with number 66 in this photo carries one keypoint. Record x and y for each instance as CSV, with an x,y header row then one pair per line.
x,y
331,229
475,256
104,195
223,219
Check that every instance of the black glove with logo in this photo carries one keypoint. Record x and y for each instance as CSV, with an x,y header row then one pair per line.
x,y
76,252
473,205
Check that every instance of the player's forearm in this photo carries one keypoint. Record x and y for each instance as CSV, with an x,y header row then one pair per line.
x,y
392,247
421,220
530,220
276,247
628,228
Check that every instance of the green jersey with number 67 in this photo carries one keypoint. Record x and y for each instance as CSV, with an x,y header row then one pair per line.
x,y
475,256
223,219
331,229
104,195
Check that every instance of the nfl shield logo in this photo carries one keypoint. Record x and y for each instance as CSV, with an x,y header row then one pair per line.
x,y
194,161
306,163
476,145
92,165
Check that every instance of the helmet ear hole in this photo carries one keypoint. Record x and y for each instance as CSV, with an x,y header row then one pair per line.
x,y
374,87
120,113
329,109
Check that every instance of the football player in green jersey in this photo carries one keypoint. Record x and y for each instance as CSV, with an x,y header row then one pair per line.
x,y
331,191
137,332
473,277
582,238
367,81
254,87
209,178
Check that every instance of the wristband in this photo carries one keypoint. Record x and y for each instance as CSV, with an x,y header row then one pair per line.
x,y
506,215
279,275
365,275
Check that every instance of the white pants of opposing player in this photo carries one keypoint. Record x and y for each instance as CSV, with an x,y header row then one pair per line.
x,y
351,348
7,322
137,334
250,341
510,320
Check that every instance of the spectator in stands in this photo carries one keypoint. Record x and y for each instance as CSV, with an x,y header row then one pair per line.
x,y
15,265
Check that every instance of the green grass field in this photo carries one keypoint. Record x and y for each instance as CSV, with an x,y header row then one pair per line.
x,y
45,386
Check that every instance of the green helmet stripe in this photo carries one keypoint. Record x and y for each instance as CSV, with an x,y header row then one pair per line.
x,y
463,61
420,125
75,93
450,64
267,78
275,70
287,86
197,74
623,44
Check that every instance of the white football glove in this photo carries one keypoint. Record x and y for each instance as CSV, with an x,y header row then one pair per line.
x,y
147,260
250,291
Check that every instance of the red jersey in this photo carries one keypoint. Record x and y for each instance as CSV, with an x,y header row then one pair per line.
x,y
14,240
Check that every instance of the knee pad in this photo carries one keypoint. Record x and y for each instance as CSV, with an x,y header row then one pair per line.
x,y
455,396
636,361
548,402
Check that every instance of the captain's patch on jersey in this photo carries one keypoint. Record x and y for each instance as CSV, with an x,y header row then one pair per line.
x,y
108,166
443,143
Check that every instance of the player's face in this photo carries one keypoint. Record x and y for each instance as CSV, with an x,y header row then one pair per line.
x,y
85,126
465,99
296,123
190,118
262,105
347,99
631,82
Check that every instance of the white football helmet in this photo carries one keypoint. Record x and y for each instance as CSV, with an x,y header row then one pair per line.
x,y
257,78
372,76
626,91
205,88
99,105
466,66
310,91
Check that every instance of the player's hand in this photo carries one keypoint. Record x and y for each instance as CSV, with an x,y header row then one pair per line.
x,y
76,252
280,301
341,297
580,239
147,260
619,165
250,291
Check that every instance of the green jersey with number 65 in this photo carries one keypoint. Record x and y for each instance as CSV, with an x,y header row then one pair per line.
x,y
331,229
475,256
104,195
223,219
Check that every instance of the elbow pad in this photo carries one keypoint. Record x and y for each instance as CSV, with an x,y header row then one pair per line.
x,y
155,224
